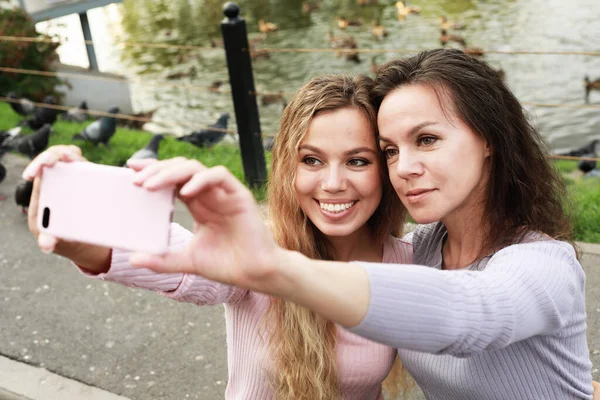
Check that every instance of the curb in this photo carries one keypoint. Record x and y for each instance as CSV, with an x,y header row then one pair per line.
x,y
20,381
6,395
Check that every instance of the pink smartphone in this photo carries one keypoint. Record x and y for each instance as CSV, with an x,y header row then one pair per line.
x,y
99,204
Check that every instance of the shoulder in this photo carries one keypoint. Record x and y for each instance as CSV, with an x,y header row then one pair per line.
x,y
543,259
541,246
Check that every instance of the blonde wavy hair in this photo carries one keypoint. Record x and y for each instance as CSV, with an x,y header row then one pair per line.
x,y
300,342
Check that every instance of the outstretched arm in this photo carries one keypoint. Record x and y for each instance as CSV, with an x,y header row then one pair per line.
x,y
524,291
231,244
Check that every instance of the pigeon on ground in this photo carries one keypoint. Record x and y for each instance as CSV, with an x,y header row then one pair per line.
x,y
7,135
150,151
24,107
2,176
586,166
137,124
76,114
43,115
29,145
23,195
268,143
101,130
592,149
208,137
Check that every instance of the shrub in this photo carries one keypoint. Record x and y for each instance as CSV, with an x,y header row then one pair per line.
x,y
39,56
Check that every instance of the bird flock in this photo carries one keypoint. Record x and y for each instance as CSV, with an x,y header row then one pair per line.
x,y
41,119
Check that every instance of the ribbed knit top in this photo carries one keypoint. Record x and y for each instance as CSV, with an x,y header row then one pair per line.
x,y
512,326
362,364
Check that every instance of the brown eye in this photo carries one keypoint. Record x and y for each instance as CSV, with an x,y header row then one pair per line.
x,y
310,161
427,140
389,153
358,162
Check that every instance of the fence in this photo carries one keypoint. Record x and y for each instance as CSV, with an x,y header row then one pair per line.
x,y
239,52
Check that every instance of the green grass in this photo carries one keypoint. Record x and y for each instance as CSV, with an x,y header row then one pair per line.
x,y
125,142
585,193
566,166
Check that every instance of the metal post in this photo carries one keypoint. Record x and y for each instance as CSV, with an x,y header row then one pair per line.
x,y
235,39
87,35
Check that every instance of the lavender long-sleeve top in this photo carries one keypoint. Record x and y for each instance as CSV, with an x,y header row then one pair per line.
x,y
512,326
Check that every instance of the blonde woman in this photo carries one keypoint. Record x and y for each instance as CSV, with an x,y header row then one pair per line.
x,y
330,199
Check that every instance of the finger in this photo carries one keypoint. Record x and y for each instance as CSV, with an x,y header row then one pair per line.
x,y
140,164
33,207
75,150
213,177
153,168
171,262
47,242
176,174
49,158
205,208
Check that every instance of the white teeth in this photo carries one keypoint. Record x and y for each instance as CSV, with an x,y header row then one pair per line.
x,y
336,207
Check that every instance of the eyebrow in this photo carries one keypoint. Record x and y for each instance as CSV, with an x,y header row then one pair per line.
x,y
413,130
347,153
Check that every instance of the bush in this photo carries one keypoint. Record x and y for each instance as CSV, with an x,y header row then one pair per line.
x,y
38,56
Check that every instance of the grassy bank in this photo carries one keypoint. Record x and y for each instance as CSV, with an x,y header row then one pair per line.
x,y
125,142
585,193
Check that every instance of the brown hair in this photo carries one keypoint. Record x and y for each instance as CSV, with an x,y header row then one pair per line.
x,y
301,342
524,191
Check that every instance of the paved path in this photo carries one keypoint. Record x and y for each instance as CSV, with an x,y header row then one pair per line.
x,y
63,336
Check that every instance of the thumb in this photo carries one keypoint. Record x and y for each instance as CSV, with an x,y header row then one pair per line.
x,y
47,242
171,262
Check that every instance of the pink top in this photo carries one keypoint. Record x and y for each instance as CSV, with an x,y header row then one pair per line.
x,y
363,365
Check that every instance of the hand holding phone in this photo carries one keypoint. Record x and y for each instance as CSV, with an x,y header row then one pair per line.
x,y
99,204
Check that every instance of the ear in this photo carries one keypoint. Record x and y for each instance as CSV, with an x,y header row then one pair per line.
x,y
488,151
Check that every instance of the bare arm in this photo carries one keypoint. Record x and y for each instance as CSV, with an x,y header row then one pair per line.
x,y
91,258
319,285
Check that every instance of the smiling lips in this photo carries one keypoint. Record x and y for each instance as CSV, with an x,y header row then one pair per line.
x,y
416,195
335,207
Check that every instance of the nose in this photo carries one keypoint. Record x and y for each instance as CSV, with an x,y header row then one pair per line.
x,y
334,179
408,164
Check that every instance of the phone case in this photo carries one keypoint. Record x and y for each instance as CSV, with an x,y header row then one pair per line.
x,y
99,204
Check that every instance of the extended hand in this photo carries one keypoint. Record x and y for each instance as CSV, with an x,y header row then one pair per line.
x,y
231,242
33,172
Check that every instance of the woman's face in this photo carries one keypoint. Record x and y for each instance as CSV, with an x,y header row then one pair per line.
x,y
437,164
338,181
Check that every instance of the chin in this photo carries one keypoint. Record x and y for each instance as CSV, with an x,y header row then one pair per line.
x,y
337,231
423,218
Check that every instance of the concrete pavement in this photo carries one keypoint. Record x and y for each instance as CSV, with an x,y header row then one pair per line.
x,y
64,336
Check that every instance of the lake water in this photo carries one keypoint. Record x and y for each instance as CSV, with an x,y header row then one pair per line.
x,y
536,25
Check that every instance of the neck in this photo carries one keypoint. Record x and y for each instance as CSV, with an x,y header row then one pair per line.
x,y
465,241
358,246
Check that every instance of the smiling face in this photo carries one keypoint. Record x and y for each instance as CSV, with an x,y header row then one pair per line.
x,y
338,181
437,164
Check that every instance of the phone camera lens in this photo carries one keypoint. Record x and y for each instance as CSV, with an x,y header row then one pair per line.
x,y
46,217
